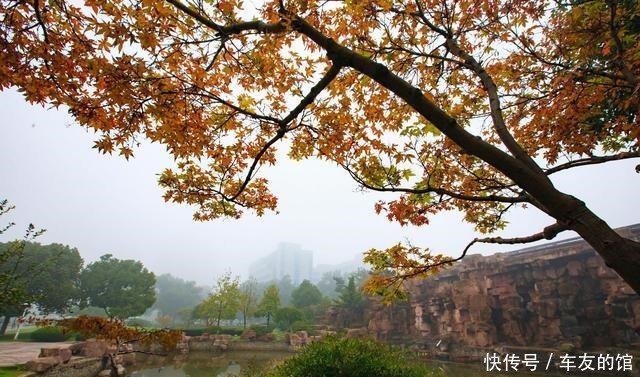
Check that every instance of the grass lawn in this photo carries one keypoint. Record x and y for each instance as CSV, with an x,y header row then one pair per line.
x,y
25,336
11,371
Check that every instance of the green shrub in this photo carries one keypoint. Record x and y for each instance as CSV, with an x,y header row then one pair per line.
x,y
261,329
139,322
49,334
225,330
337,357
213,330
193,332
285,317
303,326
77,337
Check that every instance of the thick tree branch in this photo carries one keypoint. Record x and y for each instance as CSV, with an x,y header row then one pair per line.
x,y
548,233
494,104
331,74
225,30
532,182
592,161
437,190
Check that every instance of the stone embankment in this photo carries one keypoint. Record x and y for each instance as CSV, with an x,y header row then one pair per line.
x,y
547,297
80,359
94,358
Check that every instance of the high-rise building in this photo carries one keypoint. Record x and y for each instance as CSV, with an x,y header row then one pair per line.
x,y
288,259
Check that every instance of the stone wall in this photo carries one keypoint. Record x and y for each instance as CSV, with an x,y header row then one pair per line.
x,y
537,297
81,367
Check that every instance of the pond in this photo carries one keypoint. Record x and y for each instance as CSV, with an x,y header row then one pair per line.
x,y
203,364
232,363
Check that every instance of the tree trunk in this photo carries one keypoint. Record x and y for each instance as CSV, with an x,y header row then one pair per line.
x,y
268,318
5,323
619,253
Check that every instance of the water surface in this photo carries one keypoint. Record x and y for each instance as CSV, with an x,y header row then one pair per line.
x,y
202,364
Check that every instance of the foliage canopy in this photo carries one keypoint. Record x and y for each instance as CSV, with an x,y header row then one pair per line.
x,y
469,105
269,303
223,302
123,288
305,295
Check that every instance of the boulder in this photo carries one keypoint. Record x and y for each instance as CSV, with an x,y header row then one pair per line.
x,y
63,354
297,339
221,341
361,332
249,334
42,364
120,371
92,348
268,337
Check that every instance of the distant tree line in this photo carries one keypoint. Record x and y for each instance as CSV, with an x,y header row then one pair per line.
x,y
51,279
278,303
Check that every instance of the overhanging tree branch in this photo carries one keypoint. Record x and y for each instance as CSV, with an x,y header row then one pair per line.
x,y
436,190
592,161
548,233
331,74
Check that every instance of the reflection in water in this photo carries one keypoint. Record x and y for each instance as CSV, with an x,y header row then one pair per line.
x,y
205,364
232,363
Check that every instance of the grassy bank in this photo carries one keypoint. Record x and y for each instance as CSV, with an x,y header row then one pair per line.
x,y
11,371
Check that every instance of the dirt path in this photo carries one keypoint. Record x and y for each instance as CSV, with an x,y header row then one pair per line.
x,y
13,353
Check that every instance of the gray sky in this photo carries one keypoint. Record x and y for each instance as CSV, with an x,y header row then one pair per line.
x,y
105,204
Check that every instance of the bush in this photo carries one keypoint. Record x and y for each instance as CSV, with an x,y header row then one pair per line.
x,y
261,329
349,358
78,337
193,332
213,330
303,326
139,322
285,317
49,334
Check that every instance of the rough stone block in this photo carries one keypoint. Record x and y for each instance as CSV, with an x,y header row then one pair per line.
x,y
42,364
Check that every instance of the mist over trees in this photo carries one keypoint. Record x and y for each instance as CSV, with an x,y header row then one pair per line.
x,y
175,296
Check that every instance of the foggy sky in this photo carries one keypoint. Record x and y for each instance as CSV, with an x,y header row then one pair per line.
x,y
105,204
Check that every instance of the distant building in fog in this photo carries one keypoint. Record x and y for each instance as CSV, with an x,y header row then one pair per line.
x,y
288,259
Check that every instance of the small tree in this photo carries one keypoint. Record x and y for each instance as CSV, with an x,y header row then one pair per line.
x,y
285,317
186,316
224,300
15,275
248,299
351,299
307,294
123,288
270,302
